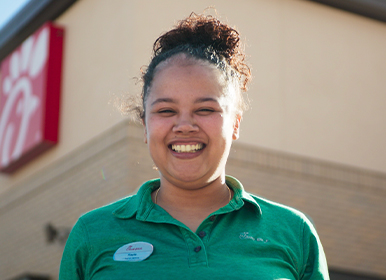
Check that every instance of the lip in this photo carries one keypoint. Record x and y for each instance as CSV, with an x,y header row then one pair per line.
x,y
186,155
185,142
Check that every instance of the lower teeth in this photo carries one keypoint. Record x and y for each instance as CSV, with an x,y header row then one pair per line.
x,y
191,151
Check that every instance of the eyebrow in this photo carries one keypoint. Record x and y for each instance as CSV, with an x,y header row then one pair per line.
x,y
171,100
160,100
206,99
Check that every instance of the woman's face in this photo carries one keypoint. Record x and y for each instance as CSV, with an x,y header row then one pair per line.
x,y
190,123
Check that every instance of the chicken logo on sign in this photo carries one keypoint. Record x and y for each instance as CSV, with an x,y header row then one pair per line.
x,y
29,98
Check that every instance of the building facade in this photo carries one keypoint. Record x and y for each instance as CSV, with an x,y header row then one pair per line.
x,y
312,139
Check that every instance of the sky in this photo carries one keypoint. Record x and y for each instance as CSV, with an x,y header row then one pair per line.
x,y
8,8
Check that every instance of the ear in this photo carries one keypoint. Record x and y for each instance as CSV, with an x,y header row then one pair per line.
x,y
144,131
236,127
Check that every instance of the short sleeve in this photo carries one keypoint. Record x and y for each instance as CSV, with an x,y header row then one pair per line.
x,y
314,259
75,254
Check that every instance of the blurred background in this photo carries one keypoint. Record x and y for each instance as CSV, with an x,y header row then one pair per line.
x,y
314,137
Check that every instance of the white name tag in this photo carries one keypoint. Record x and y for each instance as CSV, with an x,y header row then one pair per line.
x,y
133,252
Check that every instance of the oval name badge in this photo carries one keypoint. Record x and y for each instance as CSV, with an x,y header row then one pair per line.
x,y
133,252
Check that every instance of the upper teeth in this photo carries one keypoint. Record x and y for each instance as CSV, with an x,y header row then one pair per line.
x,y
187,148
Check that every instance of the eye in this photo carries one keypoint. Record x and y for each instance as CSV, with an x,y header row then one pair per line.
x,y
166,112
205,111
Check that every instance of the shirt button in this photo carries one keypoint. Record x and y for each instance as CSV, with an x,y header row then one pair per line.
x,y
201,234
212,218
197,249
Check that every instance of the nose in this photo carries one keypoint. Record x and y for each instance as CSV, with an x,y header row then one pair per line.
x,y
185,124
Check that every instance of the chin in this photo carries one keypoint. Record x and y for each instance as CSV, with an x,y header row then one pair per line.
x,y
184,179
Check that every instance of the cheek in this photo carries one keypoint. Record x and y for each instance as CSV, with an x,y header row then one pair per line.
x,y
217,126
152,131
157,128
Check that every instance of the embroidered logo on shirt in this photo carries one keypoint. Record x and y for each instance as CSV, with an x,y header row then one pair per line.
x,y
245,235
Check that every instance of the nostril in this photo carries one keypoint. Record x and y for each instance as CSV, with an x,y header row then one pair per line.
x,y
185,127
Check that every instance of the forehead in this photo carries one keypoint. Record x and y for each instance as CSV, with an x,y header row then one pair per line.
x,y
182,79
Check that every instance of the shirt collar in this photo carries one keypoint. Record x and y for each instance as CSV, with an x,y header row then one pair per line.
x,y
240,197
141,204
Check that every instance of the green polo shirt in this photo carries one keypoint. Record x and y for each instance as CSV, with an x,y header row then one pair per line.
x,y
250,238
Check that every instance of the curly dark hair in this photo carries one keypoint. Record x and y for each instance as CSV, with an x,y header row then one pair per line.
x,y
200,37
200,31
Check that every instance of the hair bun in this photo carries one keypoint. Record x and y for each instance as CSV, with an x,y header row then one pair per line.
x,y
200,31
208,32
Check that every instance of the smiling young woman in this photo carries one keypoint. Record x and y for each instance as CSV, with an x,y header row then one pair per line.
x,y
194,221
191,109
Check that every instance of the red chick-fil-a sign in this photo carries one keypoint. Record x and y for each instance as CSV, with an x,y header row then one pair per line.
x,y
30,82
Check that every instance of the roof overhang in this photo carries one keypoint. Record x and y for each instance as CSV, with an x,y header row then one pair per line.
x,y
31,17
375,9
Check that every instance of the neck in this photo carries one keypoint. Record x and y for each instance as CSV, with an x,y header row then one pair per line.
x,y
191,195
191,205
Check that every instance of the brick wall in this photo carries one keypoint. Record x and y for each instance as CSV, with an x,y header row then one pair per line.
x,y
346,204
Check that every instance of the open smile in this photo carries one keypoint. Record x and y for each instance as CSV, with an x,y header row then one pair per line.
x,y
187,148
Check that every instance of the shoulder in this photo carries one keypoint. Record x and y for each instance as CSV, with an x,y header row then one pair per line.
x,y
282,215
104,213
270,212
277,208
288,224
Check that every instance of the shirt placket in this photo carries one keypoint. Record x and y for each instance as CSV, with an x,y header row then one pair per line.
x,y
197,243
